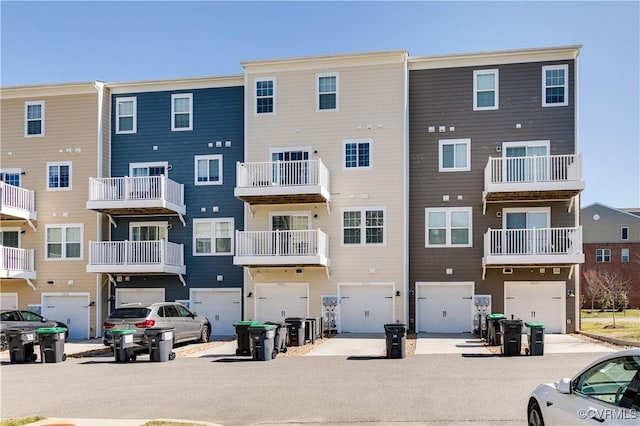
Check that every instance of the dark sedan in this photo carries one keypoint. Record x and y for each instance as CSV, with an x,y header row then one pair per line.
x,y
25,320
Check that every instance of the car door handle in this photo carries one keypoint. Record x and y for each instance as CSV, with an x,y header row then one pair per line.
x,y
549,403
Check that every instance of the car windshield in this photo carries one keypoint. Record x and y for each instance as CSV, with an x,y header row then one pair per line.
x,y
130,313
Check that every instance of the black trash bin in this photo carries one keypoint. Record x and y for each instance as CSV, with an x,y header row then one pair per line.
x,y
535,338
296,330
123,344
51,344
21,345
511,337
310,330
396,337
160,343
494,334
280,339
242,336
262,341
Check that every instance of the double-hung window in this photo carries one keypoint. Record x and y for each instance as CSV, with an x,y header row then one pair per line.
x,y
212,237
34,119
363,226
126,112
555,85
603,255
208,170
624,255
448,227
59,176
454,155
357,154
485,89
181,112
265,96
327,92
63,242
10,176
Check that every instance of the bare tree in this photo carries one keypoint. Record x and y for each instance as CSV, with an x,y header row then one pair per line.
x,y
611,289
590,286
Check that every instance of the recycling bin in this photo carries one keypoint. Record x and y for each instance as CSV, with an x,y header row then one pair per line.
x,y
51,344
262,338
296,330
396,340
511,336
123,344
21,345
535,338
160,344
494,333
242,334
280,339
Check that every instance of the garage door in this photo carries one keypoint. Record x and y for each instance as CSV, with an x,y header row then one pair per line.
x,y
71,309
8,301
139,295
275,302
537,301
365,308
221,306
445,307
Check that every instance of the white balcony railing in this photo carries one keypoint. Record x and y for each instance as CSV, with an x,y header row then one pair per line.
x,y
17,262
136,257
550,168
282,247
18,202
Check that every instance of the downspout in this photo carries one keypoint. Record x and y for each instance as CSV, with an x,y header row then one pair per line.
x,y
99,86
577,207
405,183
245,153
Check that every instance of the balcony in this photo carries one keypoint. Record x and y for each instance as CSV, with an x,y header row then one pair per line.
x,y
17,263
137,257
282,248
143,195
552,177
283,182
17,203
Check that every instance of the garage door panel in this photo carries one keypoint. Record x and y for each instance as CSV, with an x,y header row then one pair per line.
x,y
446,308
8,301
537,302
71,310
275,302
365,308
221,308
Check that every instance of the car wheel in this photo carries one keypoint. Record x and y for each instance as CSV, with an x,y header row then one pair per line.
x,y
4,344
534,415
204,334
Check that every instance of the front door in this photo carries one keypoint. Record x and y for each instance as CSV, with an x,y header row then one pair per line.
x,y
291,238
526,161
290,167
526,231
145,236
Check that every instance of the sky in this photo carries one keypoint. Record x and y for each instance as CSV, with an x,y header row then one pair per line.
x,y
118,41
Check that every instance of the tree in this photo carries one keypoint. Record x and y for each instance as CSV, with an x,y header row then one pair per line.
x,y
609,288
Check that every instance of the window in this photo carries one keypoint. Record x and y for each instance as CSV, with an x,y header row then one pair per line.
x,y
554,85
448,227
181,112
624,255
624,233
34,119
59,175
357,154
454,155
148,231
126,111
356,231
603,255
208,169
10,176
327,92
485,90
10,237
614,381
64,242
212,236
265,96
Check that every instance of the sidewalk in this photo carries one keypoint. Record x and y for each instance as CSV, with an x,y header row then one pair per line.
x,y
110,422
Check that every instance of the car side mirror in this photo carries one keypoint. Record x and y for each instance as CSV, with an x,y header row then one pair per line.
x,y
43,320
564,386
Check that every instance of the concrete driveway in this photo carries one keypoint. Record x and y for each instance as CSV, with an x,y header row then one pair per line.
x,y
353,345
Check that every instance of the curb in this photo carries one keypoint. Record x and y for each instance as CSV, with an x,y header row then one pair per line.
x,y
610,340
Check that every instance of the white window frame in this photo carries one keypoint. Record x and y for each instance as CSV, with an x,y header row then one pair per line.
x,y
442,143
212,223
164,164
158,224
197,158
13,229
63,227
565,86
625,255
59,163
345,142
174,112
290,213
363,228
496,89
601,253
27,120
506,212
448,211
318,93
623,230
256,97
134,115
13,171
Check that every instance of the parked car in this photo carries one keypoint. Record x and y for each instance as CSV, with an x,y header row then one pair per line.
x,y
605,392
187,325
25,320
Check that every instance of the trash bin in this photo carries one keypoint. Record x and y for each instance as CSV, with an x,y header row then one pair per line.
x,y
511,336
262,341
311,329
535,338
494,334
123,344
296,330
242,334
396,337
51,344
160,344
21,345
280,339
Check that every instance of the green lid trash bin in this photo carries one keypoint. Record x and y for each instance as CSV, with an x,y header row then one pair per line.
x,y
51,344
21,345
262,341
494,334
535,338
123,344
242,336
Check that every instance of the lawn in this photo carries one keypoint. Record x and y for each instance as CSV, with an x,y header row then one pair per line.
x,y
629,313
625,330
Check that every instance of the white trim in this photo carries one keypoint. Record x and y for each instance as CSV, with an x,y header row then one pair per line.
x,y
254,95
622,228
545,68
196,158
442,284
562,292
454,142
496,89
164,164
277,284
175,96
160,224
526,144
337,92
26,120
357,141
339,313
212,222
58,164
12,229
506,211
86,295
299,148
305,213
134,115
447,211
11,171
363,228
63,242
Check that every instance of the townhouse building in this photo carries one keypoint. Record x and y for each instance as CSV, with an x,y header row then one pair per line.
x,y
52,141
612,244
495,179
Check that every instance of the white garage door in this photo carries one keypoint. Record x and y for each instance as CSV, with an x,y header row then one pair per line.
x,y
139,295
8,301
71,309
538,302
221,306
445,307
277,301
365,308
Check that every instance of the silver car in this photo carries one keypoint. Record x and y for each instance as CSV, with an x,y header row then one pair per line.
x,y
187,325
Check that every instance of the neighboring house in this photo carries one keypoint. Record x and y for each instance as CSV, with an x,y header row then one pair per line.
x,y
168,202
53,140
612,243
495,178
324,182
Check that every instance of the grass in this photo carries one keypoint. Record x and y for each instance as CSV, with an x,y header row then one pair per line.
x,y
20,422
629,313
629,331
